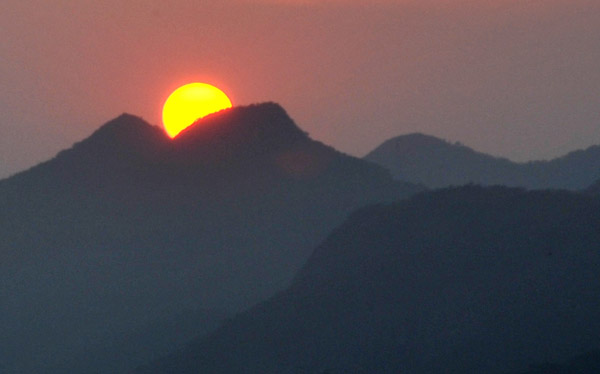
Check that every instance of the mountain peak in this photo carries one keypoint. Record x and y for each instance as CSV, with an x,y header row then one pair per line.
x,y
245,130
257,120
436,163
240,130
128,129
419,140
232,136
118,144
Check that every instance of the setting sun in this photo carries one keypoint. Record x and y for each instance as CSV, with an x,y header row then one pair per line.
x,y
191,102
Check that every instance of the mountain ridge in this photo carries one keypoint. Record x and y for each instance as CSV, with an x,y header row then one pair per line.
x,y
508,279
241,132
117,230
437,163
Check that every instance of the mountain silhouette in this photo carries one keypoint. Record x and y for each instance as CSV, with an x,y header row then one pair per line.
x,y
463,280
241,133
594,188
129,227
436,163
588,363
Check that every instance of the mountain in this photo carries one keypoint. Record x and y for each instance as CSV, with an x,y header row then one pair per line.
x,y
436,163
462,280
146,342
594,188
588,363
129,227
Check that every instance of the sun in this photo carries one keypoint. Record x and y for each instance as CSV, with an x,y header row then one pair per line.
x,y
190,102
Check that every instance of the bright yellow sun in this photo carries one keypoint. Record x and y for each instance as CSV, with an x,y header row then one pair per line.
x,y
191,102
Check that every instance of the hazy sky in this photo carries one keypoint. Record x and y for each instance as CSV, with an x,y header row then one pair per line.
x,y
514,78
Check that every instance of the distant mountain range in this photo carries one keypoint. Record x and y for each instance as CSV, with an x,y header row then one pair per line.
x,y
436,163
465,280
129,227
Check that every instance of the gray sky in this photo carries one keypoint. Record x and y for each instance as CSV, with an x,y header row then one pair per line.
x,y
514,78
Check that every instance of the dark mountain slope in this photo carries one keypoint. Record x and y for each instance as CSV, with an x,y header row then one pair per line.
x,y
588,363
594,188
129,227
466,280
240,133
436,163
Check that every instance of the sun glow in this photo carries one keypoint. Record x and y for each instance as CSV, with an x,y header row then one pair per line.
x,y
190,102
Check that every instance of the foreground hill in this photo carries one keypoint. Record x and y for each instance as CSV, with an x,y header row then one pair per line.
x,y
465,280
588,363
594,188
436,163
129,227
